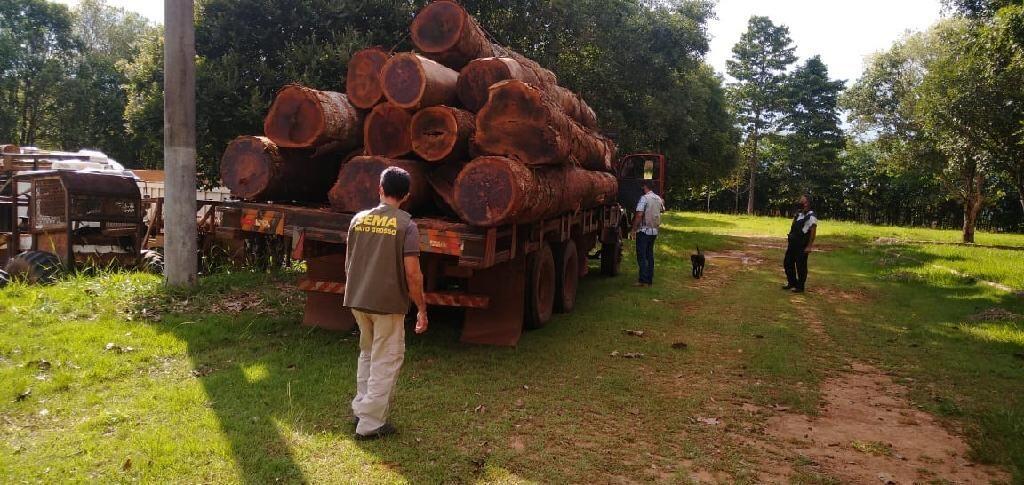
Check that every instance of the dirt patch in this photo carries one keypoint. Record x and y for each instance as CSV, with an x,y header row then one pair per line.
x,y
842,295
867,432
995,315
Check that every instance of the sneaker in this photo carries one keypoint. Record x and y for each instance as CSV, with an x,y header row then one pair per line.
x,y
788,287
381,432
798,290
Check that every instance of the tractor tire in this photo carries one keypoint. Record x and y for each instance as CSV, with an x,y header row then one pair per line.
x,y
611,257
540,288
567,276
34,267
151,261
4,278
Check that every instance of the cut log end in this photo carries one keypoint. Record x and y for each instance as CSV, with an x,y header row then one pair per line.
x,y
295,119
404,80
441,133
513,123
359,179
439,26
487,189
479,75
247,165
363,79
387,131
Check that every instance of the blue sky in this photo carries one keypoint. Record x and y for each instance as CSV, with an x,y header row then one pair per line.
x,y
843,32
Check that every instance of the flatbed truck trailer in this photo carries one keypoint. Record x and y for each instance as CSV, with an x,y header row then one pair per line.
x,y
506,278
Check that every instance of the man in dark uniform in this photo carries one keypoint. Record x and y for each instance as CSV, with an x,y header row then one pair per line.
x,y
383,278
801,242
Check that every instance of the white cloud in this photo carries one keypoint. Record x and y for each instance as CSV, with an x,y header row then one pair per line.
x,y
842,32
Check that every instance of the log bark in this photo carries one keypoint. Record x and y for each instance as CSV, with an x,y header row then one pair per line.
x,y
358,183
363,78
441,134
387,131
446,33
414,82
255,168
520,122
494,191
10,149
442,180
302,117
476,79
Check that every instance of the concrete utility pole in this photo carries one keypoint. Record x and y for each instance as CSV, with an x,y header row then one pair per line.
x,y
180,142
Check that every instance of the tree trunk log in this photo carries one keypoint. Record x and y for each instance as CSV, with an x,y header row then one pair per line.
x,y
493,191
520,122
973,203
254,168
476,79
446,33
387,132
413,82
306,118
441,134
10,149
363,79
358,184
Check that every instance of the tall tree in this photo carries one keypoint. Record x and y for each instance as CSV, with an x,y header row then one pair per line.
x,y
36,48
759,64
977,9
813,137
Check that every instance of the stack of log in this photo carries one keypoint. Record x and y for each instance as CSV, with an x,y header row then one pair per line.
x,y
488,135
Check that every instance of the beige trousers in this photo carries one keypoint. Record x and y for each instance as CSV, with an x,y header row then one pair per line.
x,y
381,353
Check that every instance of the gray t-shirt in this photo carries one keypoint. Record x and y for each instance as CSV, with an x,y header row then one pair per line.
x,y
411,247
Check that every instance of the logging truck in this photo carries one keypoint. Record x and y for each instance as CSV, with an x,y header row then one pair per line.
x,y
507,278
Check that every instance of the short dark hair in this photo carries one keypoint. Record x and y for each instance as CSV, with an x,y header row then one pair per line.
x,y
647,184
395,182
810,198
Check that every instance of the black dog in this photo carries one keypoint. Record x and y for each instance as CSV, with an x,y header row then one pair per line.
x,y
698,263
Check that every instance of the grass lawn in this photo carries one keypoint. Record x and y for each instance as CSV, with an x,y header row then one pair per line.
x,y
110,379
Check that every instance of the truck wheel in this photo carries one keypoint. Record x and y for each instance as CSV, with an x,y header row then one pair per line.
x,y
567,278
151,261
37,267
540,288
4,278
611,257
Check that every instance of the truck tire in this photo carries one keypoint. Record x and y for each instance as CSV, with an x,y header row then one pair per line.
x,y
151,261
611,257
567,276
4,278
540,288
35,267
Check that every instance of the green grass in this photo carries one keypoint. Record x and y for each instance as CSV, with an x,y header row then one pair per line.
x,y
206,395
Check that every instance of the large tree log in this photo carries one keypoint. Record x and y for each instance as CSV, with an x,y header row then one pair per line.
x,y
445,32
387,132
358,184
302,117
412,81
442,180
363,78
441,134
519,121
476,79
254,168
494,191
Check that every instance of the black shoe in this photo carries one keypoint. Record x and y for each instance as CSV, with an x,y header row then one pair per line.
x,y
381,432
798,290
788,287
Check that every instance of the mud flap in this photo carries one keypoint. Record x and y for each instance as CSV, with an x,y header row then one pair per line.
x,y
326,262
502,323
